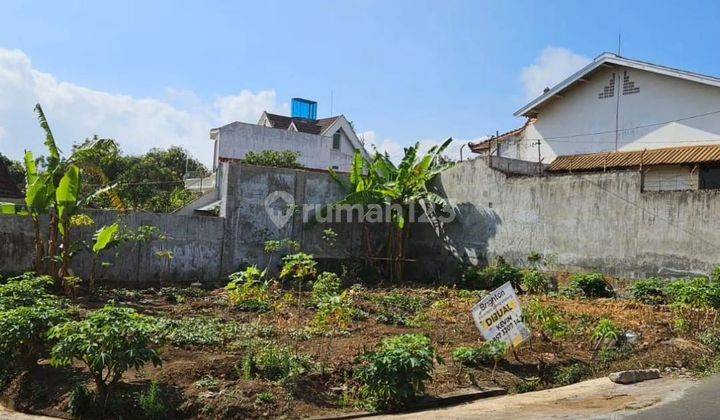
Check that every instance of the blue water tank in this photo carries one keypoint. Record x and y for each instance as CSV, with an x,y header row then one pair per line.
x,y
303,108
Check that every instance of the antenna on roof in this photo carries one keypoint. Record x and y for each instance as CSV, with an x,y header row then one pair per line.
x,y
331,103
619,43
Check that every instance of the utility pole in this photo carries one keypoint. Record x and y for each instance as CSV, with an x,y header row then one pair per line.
x,y
537,143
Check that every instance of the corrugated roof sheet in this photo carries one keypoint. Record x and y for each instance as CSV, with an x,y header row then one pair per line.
x,y
617,160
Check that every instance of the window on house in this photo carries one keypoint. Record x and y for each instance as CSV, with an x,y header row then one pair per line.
x,y
710,178
335,167
336,141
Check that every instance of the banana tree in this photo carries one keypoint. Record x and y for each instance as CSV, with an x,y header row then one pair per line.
x,y
67,205
39,192
401,187
105,238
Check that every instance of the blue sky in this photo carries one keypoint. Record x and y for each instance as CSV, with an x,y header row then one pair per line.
x,y
165,72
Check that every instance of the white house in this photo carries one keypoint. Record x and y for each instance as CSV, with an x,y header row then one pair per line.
x,y
614,104
322,143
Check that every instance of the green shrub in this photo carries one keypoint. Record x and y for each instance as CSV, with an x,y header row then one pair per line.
x,y
24,290
571,374
246,291
396,308
27,312
396,372
490,352
697,292
715,274
276,363
545,319
326,286
334,314
649,291
281,159
300,267
151,402
589,285
527,385
711,339
108,342
200,331
491,276
535,281
605,331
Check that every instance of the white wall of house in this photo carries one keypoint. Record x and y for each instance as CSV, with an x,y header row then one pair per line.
x,y
233,141
670,178
580,112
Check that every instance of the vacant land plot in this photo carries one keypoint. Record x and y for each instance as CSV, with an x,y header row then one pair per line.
x,y
262,350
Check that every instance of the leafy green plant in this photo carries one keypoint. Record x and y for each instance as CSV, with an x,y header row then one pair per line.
x,y
491,276
649,291
535,281
715,274
545,319
108,342
200,331
589,285
571,374
396,372
326,285
697,292
27,312
490,352
246,290
396,308
605,331
276,363
151,402
300,267
281,159
334,314
711,339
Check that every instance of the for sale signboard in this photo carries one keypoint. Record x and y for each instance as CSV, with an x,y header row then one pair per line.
x,y
499,316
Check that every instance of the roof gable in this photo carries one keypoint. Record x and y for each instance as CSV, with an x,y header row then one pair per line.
x,y
611,60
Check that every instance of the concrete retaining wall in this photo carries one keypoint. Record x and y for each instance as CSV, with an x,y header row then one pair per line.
x,y
586,221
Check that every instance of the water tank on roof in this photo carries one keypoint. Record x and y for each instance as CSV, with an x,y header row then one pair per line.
x,y
303,108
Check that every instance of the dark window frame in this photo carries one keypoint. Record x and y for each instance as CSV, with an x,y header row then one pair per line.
x,y
337,138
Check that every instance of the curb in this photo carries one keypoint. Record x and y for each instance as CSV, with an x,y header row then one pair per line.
x,y
445,400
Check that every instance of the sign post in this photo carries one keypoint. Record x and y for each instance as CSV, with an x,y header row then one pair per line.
x,y
498,316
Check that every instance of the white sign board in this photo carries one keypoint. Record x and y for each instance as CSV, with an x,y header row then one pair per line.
x,y
499,316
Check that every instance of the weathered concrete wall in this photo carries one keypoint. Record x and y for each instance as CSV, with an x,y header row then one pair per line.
x,y
249,224
588,221
195,241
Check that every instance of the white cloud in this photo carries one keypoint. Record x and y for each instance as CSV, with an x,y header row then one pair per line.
x,y
396,150
553,65
76,112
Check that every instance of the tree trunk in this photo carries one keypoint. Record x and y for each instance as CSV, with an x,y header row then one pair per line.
x,y
39,248
52,245
93,272
64,269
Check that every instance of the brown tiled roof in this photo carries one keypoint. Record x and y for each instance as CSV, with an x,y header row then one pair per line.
x,y
485,144
637,158
302,125
7,188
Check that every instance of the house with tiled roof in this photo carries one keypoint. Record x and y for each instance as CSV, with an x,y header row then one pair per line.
x,y
616,105
322,143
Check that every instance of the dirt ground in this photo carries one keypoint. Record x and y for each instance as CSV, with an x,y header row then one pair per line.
x,y
204,380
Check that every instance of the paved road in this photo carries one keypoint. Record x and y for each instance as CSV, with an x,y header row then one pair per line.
x,y
701,401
